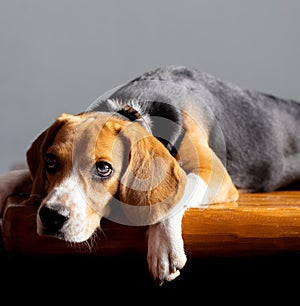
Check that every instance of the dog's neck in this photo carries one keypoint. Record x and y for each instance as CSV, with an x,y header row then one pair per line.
x,y
162,120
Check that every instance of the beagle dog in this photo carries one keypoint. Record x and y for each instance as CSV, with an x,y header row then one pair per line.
x,y
144,153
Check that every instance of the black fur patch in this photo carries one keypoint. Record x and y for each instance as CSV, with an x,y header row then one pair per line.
x,y
167,125
130,113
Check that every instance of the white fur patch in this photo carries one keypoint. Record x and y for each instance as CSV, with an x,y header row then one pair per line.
x,y
71,196
166,254
195,195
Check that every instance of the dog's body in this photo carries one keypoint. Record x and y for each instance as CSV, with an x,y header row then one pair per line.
x,y
171,139
262,146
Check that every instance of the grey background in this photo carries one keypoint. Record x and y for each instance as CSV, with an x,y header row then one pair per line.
x,y
60,55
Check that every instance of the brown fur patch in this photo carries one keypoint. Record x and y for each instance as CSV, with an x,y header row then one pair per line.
x,y
196,156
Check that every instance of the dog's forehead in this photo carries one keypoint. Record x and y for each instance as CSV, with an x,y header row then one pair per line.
x,y
95,135
87,130
89,125
97,126
98,120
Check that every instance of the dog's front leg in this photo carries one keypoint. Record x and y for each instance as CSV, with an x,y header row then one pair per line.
x,y
166,254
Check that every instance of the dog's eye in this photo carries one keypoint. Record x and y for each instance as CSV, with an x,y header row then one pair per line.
x,y
104,169
51,162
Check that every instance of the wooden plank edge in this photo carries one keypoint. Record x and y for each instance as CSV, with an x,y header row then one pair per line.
x,y
218,231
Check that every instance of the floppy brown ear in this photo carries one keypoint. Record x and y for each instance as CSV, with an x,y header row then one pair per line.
x,y
152,180
35,159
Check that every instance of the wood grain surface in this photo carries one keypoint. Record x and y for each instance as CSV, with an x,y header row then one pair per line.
x,y
261,223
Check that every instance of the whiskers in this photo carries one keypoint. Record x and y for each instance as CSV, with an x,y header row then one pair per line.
x,y
87,246
59,243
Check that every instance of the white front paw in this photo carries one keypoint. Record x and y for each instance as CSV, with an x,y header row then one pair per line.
x,y
166,254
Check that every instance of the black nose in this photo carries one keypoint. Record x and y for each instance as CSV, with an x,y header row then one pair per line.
x,y
53,219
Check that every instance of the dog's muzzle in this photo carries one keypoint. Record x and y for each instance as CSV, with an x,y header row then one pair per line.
x,y
53,219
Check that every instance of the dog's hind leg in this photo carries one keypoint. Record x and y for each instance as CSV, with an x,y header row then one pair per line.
x,y
197,157
290,172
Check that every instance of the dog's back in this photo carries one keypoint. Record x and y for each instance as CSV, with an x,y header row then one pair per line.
x,y
260,142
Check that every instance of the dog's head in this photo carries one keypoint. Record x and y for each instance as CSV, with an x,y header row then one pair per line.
x,y
98,164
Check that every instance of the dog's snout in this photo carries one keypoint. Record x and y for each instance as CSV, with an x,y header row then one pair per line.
x,y
53,219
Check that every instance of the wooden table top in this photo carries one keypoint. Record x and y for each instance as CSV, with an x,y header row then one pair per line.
x,y
259,223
